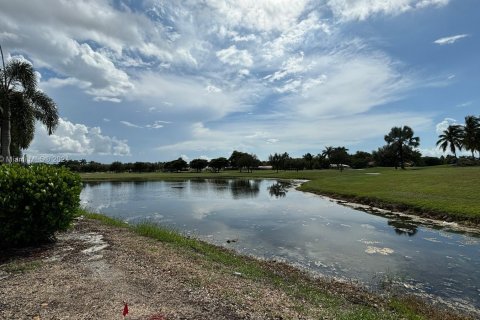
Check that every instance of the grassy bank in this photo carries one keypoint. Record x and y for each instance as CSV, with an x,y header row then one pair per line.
x,y
313,298
442,192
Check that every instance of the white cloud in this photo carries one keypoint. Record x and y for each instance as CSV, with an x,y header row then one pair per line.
x,y
108,99
296,36
233,56
211,88
450,40
348,85
427,3
62,82
266,16
363,9
293,65
157,124
464,104
190,96
129,124
443,125
76,139
288,132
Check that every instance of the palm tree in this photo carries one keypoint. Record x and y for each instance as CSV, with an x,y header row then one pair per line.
x,y
471,134
21,103
453,137
327,152
308,159
400,138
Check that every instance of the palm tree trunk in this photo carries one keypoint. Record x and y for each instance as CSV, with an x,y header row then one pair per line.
x,y
6,137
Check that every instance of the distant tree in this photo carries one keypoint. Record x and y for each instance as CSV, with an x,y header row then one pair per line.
x,y
296,164
275,160
117,166
143,167
401,139
243,160
471,134
308,160
320,161
176,165
431,161
284,157
234,158
218,164
247,161
385,157
327,152
361,159
451,137
198,164
339,156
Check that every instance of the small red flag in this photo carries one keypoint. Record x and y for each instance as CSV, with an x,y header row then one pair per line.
x,y
125,310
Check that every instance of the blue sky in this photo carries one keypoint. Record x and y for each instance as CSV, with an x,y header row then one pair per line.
x,y
156,80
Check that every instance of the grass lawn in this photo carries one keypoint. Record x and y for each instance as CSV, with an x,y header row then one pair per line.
x,y
442,190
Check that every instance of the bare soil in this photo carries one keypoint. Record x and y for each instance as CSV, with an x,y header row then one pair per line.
x,y
92,269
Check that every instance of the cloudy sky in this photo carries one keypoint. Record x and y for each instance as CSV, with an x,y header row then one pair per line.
x,y
154,80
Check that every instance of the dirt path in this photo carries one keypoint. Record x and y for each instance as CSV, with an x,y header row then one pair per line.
x,y
93,268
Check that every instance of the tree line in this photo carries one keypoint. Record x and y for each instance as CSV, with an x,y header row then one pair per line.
x,y
399,151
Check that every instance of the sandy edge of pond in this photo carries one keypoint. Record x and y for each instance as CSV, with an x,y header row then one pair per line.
x,y
93,268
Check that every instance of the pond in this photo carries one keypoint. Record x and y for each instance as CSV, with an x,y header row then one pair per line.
x,y
272,220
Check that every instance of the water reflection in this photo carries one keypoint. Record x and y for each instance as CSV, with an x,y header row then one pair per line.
x,y
301,228
404,226
244,188
279,189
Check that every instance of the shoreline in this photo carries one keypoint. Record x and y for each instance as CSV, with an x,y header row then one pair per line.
x,y
382,208
100,254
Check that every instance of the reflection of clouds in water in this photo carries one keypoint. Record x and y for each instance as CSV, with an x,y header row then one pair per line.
x,y
199,213
382,251
364,241
156,217
112,195
367,226
469,241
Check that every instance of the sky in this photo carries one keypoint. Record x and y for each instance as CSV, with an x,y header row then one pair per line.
x,y
157,80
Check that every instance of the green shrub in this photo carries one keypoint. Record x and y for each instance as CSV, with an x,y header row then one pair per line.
x,y
35,202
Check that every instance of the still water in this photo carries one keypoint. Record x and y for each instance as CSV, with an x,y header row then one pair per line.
x,y
270,219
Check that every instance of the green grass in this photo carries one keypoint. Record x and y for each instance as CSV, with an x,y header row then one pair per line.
x,y
308,291
442,190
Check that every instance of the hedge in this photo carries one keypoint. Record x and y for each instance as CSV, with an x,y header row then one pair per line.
x,y
35,202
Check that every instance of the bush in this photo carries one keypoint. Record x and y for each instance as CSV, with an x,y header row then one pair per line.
x,y
35,202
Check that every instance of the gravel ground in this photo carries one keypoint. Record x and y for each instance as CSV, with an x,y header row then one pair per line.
x,y
93,268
